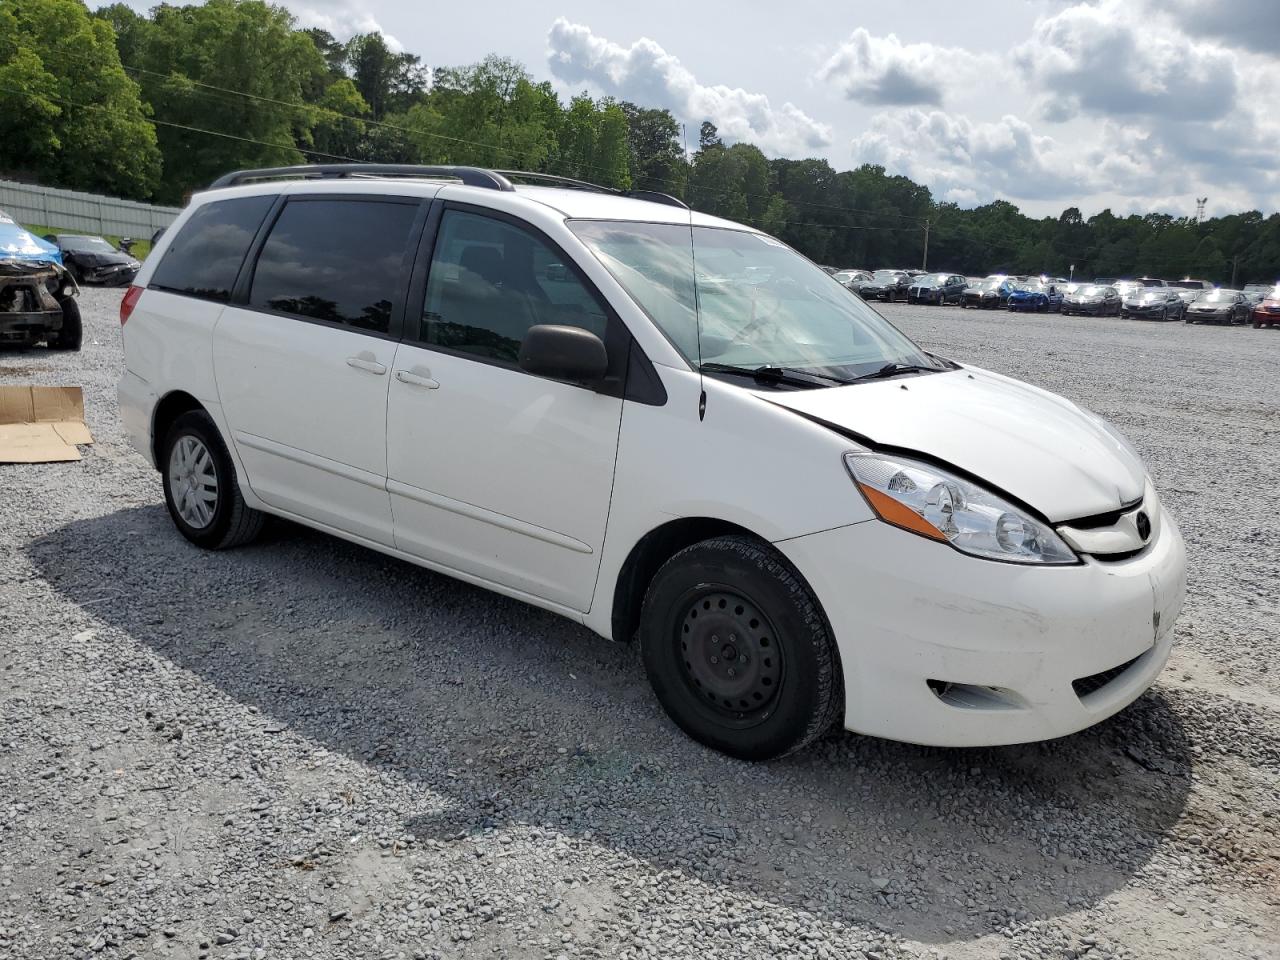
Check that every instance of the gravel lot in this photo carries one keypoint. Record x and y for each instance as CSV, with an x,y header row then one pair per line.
x,y
305,749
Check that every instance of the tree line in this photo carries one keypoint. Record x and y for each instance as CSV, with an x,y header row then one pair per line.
x,y
151,107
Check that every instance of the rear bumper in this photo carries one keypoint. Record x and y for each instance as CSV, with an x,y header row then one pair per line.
x,y
1264,318
137,402
925,637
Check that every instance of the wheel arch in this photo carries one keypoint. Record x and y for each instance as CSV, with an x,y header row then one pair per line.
x,y
171,406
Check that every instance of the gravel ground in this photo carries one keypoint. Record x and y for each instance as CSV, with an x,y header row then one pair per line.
x,y
306,749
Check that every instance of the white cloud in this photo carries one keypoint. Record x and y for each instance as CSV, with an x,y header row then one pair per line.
x,y
342,20
964,162
648,75
1253,24
1109,59
883,71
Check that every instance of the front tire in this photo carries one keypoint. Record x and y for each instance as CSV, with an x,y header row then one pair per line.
x,y
72,333
738,651
200,486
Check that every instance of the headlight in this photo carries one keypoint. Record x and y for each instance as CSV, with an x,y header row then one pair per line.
x,y
941,506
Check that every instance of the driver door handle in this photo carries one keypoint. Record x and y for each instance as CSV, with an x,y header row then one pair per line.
x,y
367,362
417,380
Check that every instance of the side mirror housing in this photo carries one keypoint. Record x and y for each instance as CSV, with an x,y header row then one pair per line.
x,y
564,353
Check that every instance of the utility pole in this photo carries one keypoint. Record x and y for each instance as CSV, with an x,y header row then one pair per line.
x,y
1200,202
1235,262
924,263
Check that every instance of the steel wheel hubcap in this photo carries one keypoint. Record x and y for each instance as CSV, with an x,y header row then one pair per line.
x,y
730,655
193,482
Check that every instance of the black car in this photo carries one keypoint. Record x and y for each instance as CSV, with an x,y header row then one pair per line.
x,y
1095,300
1152,303
988,294
93,260
940,288
886,285
1219,306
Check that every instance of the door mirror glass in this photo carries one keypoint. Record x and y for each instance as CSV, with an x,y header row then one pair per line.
x,y
563,353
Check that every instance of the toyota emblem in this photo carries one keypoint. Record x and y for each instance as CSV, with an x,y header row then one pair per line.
x,y
1144,525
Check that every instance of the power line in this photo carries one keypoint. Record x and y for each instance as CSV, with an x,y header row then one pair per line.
x,y
412,132
180,126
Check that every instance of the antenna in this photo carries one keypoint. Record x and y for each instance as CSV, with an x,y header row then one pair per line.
x,y
693,267
1200,202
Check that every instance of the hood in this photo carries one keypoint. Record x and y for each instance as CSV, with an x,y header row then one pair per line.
x,y
1028,442
18,244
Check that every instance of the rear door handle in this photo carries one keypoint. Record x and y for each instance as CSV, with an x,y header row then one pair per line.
x,y
367,362
417,380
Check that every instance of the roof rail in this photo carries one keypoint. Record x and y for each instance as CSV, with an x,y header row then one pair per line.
x,y
652,196
471,176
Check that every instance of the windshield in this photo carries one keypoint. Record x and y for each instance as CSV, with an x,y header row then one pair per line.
x,y
1187,284
760,303
85,244
1092,292
1029,287
1217,296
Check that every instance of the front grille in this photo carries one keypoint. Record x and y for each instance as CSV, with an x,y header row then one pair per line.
x,y
1095,682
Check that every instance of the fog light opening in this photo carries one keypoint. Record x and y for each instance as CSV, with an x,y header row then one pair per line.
x,y
971,696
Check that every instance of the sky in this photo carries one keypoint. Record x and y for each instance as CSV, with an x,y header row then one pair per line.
x,y
1132,105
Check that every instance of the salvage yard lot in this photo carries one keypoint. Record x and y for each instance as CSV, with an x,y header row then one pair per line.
x,y
304,748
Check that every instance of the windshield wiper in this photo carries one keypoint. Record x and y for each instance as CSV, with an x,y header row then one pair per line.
x,y
786,376
893,369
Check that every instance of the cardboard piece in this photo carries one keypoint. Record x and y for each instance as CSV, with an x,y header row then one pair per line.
x,y
41,424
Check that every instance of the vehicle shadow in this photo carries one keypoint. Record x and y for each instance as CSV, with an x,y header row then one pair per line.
x,y
520,717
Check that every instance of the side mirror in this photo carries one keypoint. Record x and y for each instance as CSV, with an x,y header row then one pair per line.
x,y
564,353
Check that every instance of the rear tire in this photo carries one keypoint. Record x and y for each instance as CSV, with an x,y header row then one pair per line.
x,y
759,675
72,333
200,486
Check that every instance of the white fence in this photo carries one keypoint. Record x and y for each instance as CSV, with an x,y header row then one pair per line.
x,y
87,212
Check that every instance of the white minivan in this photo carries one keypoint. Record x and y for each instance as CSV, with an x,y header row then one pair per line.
x,y
664,426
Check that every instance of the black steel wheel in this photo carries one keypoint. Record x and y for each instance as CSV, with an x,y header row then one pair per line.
x,y
729,654
738,651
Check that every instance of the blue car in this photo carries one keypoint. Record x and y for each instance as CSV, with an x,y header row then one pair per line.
x,y
18,244
37,295
1035,296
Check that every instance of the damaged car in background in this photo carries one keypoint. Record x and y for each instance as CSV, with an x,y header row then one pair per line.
x,y
92,260
37,294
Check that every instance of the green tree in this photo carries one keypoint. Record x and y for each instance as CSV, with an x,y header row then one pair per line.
x,y
656,156
242,46
388,81
76,121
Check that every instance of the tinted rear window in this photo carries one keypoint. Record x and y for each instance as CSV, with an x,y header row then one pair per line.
x,y
340,261
204,258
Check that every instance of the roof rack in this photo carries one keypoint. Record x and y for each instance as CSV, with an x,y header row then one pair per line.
x,y
653,196
471,176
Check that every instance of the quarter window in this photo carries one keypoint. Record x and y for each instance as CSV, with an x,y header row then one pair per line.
x,y
339,261
491,281
204,258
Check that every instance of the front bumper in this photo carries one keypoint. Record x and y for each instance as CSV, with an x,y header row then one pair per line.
x,y
111,275
925,632
1147,311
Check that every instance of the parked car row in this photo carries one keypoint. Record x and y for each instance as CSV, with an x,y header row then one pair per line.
x,y
1143,298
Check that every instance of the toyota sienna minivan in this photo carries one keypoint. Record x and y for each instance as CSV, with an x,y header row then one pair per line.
x,y
664,426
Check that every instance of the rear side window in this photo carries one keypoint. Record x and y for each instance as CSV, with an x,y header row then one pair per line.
x,y
491,281
204,258
339,261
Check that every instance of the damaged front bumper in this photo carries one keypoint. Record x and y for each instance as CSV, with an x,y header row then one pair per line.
x,y
31,295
